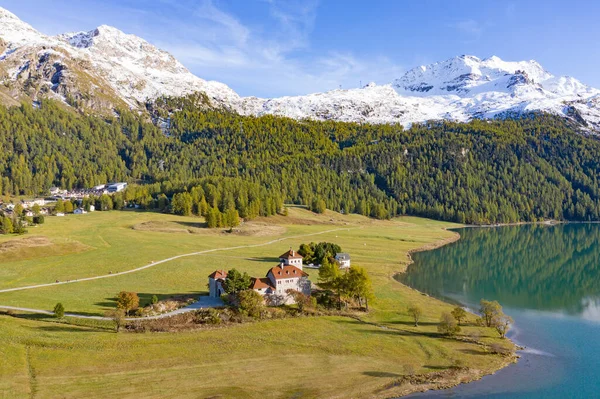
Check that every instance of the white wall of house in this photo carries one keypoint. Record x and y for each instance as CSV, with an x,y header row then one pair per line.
x,y
211,287
294,262
343,260
215,288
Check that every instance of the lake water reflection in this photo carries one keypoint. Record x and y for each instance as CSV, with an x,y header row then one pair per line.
x,y
548,279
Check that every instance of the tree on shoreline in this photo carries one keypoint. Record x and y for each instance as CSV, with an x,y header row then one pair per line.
x,y
489,310
502,324
494,316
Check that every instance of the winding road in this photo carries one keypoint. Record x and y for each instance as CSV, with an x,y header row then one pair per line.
x,y
194,306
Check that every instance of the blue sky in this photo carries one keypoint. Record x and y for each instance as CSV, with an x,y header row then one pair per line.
x,y
286,47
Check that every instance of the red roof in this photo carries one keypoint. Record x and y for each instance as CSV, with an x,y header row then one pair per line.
x,y
217,274
258,283
286,271
291,254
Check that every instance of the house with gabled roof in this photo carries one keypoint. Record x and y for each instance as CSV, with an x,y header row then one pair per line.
x,y
262,285
288,275
215,283
343,259
291,257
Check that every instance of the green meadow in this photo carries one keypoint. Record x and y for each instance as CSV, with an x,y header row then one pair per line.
x,y
301,357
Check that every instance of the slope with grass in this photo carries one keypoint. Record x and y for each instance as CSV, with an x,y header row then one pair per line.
x,y
303,357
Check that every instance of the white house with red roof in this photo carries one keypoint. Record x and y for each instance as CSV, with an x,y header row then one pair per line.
x,y
215,283
288,275
292,258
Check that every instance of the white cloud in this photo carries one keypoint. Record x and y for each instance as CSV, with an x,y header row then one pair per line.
x,y
264,62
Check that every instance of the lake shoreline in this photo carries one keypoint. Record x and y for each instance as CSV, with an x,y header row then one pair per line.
x,y
452,378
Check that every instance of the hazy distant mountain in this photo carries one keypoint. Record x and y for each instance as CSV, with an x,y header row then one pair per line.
x,y
106,68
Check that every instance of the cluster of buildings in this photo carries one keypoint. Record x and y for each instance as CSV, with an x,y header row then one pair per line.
x,y
288,274
80,193
275,286
27,205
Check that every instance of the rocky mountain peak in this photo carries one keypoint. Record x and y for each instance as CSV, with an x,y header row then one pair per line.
x,y
16,32
105,68
463,74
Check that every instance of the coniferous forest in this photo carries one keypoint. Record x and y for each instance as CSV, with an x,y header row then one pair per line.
x,y
531,168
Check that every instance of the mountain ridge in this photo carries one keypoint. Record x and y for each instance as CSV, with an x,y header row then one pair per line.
x,y
104,68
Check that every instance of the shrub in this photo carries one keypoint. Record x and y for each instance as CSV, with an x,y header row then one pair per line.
x,y
448,325
250,303
59,311
118,318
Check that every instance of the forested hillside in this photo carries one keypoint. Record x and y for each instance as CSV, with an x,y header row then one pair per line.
x,y
479,172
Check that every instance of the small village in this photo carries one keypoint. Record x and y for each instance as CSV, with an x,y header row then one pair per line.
x,y
28,212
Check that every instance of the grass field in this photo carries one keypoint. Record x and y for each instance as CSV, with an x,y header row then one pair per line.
x,y
305,357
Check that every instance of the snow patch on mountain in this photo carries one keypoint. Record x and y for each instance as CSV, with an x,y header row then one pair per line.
x,y
106,67
458,89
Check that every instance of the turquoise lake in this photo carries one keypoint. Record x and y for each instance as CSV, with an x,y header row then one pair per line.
x,y
548,279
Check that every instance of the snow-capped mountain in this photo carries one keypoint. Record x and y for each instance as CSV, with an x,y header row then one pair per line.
x,y
104,69
459,89
99,69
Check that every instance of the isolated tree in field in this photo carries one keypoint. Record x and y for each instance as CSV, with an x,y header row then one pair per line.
x,y
330,278
329,274
36,209
358,285
117,316
59,311
448,325
236,281
128,301
502,323
459,314
415,312
489,310
250,303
